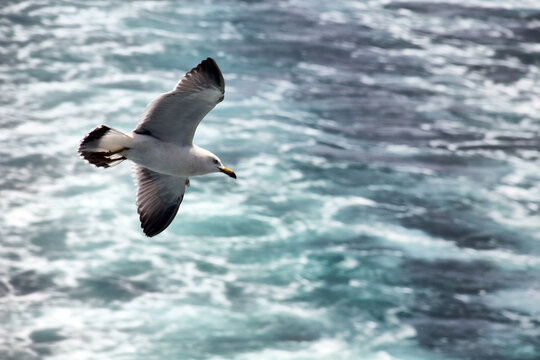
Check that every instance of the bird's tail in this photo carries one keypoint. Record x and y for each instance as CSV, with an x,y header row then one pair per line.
x,y
104,146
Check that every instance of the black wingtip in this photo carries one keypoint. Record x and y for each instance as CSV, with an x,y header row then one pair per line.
x,y
211,68
154,224
207,73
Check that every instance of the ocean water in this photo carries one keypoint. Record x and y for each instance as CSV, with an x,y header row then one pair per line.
x,y
388,195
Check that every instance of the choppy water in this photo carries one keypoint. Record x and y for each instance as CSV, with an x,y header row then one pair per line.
x,y
388,198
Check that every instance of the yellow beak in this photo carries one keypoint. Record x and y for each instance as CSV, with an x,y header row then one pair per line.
x,y
228,172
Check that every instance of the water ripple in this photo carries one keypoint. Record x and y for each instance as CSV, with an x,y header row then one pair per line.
x,y
387,201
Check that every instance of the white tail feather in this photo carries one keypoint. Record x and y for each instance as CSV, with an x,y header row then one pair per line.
x,y
105,146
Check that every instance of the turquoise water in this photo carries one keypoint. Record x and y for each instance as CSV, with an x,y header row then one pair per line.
x,y
387,201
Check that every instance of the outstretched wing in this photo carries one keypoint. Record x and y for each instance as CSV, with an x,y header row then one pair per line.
x,y
158,198
174,116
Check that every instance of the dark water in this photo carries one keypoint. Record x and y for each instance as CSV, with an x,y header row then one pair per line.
x,y
388,198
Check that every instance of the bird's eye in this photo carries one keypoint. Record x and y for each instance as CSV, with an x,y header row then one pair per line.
x,y
216,161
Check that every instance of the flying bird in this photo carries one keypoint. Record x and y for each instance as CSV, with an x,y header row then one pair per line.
x,y
161,146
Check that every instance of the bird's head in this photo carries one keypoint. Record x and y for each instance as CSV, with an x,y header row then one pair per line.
x,y
216,165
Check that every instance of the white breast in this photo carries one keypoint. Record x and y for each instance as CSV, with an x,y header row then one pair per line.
x,y
163,157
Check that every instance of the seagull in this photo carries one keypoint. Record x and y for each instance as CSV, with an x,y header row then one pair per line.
x,y
161,146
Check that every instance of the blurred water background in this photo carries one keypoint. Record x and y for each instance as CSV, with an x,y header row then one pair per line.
x,y
387,205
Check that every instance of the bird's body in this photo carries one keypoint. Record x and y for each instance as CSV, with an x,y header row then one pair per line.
x,y
168,158
161,146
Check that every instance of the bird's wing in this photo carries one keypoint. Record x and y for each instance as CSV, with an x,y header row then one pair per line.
x,y
158,198
174,116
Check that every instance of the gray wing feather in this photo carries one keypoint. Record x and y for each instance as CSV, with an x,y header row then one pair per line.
x,y
158,198
174,116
